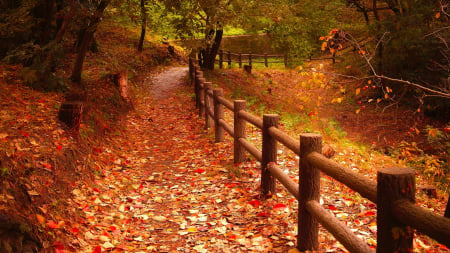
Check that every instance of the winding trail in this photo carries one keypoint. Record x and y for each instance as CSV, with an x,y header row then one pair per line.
x,y
166,187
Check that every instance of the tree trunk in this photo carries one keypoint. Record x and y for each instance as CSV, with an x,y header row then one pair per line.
x,y
63,22
209,56
87,38
143,25
379,37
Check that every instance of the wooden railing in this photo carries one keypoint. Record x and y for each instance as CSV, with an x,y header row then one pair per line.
x,y
394,191
250,58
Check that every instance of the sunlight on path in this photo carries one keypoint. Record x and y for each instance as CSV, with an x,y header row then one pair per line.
x,y
167,81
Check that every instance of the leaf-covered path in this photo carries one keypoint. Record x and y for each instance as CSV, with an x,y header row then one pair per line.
x,y
167,189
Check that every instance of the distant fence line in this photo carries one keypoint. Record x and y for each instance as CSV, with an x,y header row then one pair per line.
x,y
250,58
394,191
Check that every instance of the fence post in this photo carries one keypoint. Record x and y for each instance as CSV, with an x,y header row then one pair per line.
x,y
240,60
198,77
285,61
394,184
201,96
309,187
239,131
221,59
250,59
207,99
218,115
265,61
229,59
269,154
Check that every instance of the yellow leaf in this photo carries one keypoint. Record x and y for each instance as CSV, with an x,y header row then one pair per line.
x,y
357,111
358,91
339,100
192,229
40,218
417,130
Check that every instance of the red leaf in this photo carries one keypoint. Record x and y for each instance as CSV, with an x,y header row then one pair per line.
x,y
332,207
255,203
25,134
74,230
112,228
96,189
59,147
59,248
97,249
279,206
369,213
199,170
262,214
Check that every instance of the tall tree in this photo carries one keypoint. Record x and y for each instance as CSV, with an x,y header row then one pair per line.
x,y
94,20
143,25
191,17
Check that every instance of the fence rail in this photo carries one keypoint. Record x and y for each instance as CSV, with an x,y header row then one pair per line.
x,y
250,58
394,191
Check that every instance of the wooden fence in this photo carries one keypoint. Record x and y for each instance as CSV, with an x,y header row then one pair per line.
x,y
394,191
250,59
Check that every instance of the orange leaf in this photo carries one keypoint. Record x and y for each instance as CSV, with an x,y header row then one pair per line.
x,y
438,15
54,225
358,91
40,218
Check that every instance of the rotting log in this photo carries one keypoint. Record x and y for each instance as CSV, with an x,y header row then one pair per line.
x,y
70,114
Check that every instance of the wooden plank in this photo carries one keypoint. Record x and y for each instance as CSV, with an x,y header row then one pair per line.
x,y
226,103
429,223
285,180
356,182
252,119
251,149
340,231
227,127
285,139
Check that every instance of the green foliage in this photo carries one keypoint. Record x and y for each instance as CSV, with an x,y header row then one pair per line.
x,y
15,26
40,64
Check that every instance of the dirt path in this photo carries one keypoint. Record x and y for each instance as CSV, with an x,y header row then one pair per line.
x,y
167,81
167,188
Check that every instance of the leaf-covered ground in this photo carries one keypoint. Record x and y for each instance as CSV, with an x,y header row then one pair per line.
x,y
161,184
166,186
